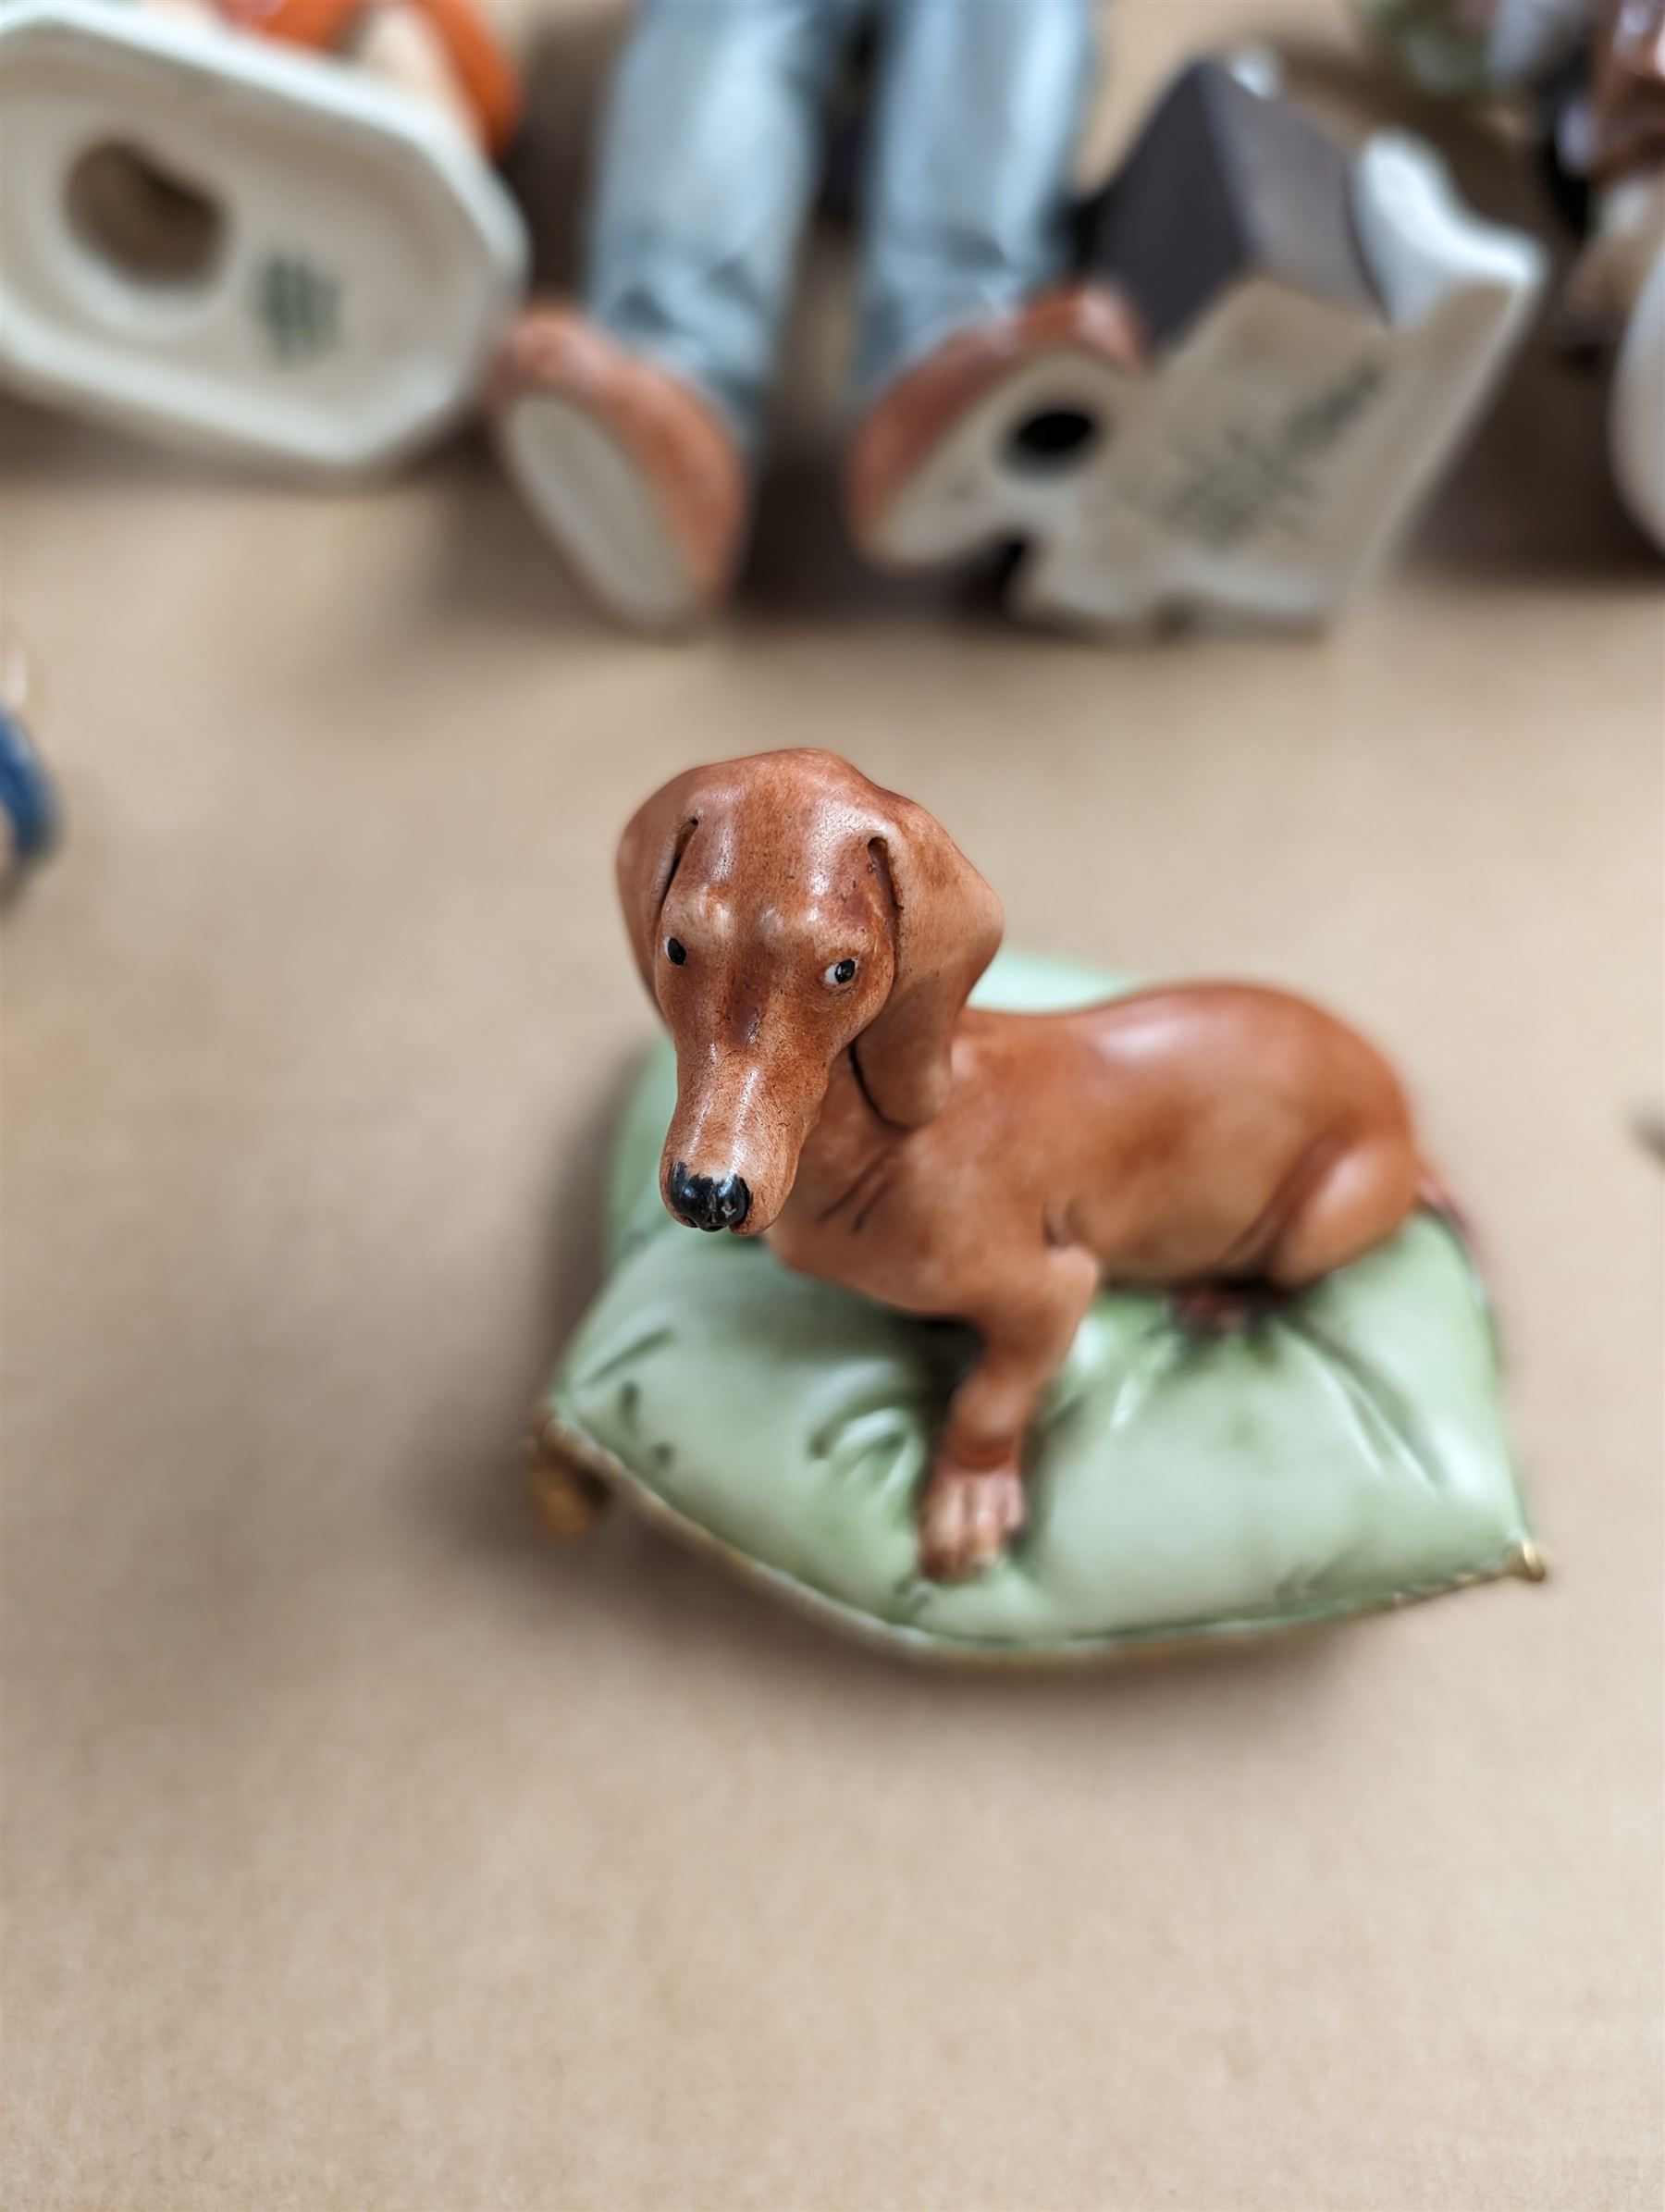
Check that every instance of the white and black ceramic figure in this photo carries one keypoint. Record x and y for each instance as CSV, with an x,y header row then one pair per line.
x,y
1636,411
1323,333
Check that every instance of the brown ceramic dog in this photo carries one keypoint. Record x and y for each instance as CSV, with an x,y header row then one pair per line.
x,y
810,941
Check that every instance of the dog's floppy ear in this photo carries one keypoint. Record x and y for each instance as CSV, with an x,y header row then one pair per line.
x,y
948,923
650,854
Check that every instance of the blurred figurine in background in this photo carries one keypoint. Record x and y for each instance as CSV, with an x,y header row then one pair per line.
x,y
1221,390
1593,72
29,812
1318,329
632,422
289,247
1616,295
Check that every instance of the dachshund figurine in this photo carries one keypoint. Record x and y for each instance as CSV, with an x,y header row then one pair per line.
x,y
810,941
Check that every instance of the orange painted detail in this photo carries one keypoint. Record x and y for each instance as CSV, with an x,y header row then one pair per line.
x,y
488,77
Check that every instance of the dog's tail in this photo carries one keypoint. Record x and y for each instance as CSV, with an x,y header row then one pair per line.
x,y
1434,1194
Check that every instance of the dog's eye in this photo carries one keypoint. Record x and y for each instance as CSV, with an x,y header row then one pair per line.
x,y
676,952
841,972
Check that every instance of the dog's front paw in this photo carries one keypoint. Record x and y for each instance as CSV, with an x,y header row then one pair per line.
x,y
967,1519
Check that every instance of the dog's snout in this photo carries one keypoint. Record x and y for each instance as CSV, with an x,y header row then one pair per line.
x,y
704,1202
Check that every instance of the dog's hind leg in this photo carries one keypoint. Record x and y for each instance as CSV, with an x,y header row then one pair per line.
x,y
1360,1197
973,1501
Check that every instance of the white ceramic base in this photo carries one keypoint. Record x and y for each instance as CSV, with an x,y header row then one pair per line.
x,y
1259,472
592,501
1636,409
340,266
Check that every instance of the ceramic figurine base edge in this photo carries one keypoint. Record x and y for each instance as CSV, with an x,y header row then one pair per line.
x,y
571,1479
1636,411
31,820
210,364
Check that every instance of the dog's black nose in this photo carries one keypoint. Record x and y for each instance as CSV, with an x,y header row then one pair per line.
x,y
704,1202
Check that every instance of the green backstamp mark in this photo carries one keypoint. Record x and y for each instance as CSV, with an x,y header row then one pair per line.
x,y
299,309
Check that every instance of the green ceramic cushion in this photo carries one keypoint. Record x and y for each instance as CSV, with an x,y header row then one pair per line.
x,y
1345,1454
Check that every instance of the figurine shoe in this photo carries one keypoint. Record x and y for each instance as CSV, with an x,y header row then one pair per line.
x,y
920,449
629,472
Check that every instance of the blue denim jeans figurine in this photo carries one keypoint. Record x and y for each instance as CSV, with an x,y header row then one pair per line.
x,y
628,426
713,149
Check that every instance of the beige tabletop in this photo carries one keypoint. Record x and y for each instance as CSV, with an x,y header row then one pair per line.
x,y
366,1851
